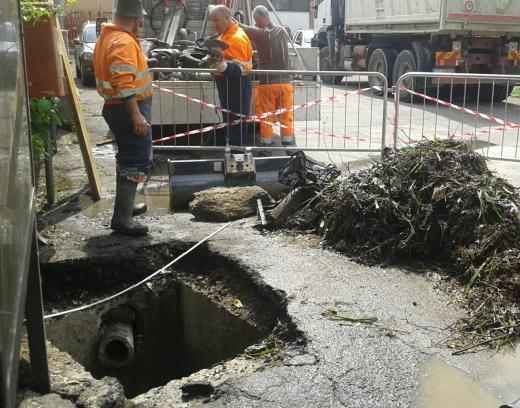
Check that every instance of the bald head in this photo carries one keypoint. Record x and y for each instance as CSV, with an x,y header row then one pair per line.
x,y
221,17
261,16
220,10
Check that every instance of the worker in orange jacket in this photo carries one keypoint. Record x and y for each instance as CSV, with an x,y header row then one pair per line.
x,y
274,91
234,88
123,80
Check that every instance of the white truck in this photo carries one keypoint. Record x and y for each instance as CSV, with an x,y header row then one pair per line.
x,y
397,36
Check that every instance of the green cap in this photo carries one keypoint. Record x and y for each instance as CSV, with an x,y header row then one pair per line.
x,y
130,8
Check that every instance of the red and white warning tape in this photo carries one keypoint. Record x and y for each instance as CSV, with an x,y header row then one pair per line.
x,y
506,124
256,118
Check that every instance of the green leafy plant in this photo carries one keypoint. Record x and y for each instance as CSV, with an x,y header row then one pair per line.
x,y
34,11
43,110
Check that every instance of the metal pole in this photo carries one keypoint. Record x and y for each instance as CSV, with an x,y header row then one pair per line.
x,y
35,326
290,39
312,4
397,101
49,173
205,24
385,112
249,12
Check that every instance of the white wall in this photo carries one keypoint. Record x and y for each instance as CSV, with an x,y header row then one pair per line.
x,y
293,19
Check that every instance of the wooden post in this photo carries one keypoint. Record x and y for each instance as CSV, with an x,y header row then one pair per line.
x,y
81,126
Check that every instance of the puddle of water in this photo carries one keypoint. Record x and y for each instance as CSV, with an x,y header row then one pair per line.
x,y
94,208
158,200
105,151
443,386
502,375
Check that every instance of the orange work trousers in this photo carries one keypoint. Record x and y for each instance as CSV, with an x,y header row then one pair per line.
x,y
269,98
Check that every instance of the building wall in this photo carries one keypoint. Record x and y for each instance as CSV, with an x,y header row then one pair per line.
x,y
293,19
92,6
82,11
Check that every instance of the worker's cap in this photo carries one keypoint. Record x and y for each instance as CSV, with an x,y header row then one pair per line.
x,y
130,8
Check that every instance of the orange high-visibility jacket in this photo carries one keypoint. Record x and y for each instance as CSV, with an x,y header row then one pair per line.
x,y
120,67
240,50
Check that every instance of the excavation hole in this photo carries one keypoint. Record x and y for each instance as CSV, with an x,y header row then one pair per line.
x,y
206,310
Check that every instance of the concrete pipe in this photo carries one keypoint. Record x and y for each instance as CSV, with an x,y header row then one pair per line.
x,y
116,348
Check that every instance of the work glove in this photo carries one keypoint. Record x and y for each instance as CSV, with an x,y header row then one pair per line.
x,y
214,60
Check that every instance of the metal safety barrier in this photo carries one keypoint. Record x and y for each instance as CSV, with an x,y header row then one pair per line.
x,y
478,108
196,109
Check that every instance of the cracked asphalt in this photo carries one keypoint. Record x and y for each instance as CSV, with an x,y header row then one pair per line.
x,y
343,364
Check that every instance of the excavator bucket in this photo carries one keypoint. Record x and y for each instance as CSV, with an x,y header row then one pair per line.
x,y
186,177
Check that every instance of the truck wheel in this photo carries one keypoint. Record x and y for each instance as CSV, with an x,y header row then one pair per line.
x,y
405,63
86,80
502,93
326,65
487,94
382,61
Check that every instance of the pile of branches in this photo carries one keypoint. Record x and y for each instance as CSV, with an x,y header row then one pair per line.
x,y
436,202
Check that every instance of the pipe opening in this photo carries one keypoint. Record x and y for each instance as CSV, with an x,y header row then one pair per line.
x,y
116,348
116,353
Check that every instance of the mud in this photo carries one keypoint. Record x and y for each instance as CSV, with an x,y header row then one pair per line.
x,y
227,204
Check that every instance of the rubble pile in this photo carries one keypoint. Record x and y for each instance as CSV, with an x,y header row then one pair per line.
x,y
435,202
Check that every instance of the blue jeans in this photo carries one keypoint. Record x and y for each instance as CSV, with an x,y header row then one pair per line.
x,y
134,153
235,94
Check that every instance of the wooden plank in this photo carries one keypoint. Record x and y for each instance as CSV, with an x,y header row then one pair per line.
x,y
81,126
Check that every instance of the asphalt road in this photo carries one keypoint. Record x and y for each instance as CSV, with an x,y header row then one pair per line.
x,y
399,364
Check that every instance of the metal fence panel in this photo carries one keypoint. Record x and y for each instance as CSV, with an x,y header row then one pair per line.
x,y
347,117
472,107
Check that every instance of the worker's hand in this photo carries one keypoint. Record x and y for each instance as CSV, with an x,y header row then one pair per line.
x,y
205,62
213,61
220,66
140,124
217,61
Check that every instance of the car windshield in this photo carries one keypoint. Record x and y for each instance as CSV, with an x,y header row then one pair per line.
x,y
89,35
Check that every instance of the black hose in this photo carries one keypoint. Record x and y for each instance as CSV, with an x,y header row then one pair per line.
x,y
154,18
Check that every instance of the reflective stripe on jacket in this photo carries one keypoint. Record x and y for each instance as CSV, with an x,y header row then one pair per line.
x,y
240,50
120,67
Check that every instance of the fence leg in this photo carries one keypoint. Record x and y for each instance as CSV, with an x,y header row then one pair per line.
x,y
35,326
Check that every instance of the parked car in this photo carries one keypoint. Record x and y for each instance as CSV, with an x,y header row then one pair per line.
x,y
303,37
83,49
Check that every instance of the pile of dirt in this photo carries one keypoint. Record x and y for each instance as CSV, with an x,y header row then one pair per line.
x,y
435,202
228,203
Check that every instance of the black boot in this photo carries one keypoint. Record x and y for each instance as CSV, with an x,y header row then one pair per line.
x,y
289,144
139,209
123,207
264,153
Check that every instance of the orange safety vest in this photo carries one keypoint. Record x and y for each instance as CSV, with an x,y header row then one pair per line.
x,y
120,67
240,50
